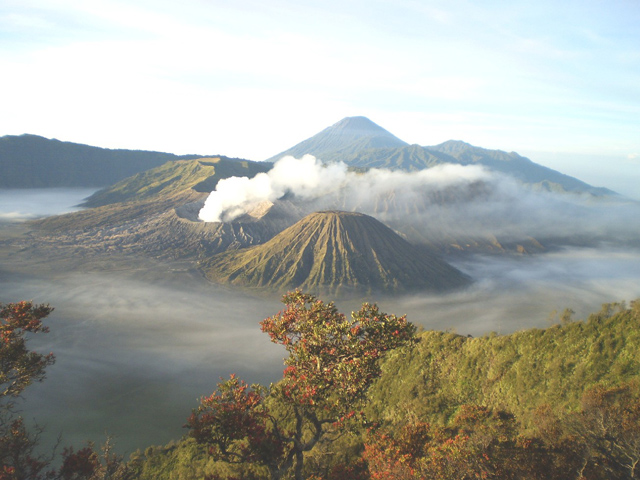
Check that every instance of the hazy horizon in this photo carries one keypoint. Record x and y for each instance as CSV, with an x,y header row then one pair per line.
x,y
599,172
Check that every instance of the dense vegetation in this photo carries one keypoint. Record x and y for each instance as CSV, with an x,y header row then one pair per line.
x,y
517,372
555,403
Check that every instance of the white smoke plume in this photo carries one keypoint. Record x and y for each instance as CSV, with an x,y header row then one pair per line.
x,y
331,185
445,202
306,178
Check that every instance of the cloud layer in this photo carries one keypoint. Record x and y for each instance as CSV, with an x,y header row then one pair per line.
x,y
436,204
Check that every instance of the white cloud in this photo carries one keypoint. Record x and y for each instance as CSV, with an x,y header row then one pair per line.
x,y
111,72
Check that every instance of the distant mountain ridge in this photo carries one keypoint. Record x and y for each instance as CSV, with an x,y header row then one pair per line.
x,y
32,161
517,166
360,143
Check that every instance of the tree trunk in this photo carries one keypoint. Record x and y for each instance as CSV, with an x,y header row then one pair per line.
x,y
299,464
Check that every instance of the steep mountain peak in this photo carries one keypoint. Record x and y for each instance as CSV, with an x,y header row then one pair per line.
x,y
359,126
344,138
333,251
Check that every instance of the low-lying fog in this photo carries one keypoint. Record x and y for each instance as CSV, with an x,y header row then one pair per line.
x,y
133,356
19,204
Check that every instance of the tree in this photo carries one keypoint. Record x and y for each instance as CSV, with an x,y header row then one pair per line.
x,y
609,430
18,460
331,364
18,366
234,423
89,464
419,450
478,443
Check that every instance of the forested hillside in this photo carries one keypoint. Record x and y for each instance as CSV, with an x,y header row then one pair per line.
x,y
365,397
554,403
517,372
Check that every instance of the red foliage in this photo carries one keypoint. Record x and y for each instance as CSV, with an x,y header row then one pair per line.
x,y
17,460
479,444
19,367
332,359
234,424
79,465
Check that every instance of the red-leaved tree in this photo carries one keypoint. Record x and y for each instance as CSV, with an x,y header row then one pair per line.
x,y
18,366
332,362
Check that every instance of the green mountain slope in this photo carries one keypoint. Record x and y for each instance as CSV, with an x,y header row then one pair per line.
x,y
201,175
30,161
335,251
516,372
347,137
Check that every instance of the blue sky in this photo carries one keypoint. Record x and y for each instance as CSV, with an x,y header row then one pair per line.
x,y
558,82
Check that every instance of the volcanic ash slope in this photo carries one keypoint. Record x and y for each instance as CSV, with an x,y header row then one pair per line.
x,y
335,251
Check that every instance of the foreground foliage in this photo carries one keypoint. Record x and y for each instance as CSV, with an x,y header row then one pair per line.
x,y
332,362
600,441
518,372
19,367
557,403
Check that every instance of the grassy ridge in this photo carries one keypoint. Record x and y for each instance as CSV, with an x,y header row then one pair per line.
x,y
172,177
152,192
516,372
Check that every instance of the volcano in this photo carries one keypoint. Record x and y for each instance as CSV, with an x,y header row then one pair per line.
x,y
344,139
333,252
